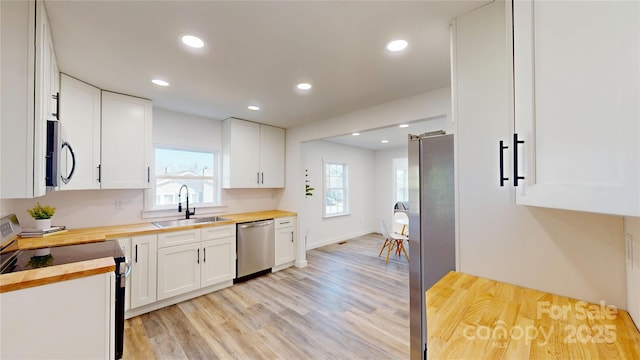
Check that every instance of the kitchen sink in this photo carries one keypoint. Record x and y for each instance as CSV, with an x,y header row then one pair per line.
x,y
186,222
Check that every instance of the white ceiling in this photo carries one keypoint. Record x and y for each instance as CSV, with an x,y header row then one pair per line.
x,y
394,135
256,52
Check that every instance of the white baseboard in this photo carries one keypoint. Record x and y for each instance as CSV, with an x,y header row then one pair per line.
x,y
340,238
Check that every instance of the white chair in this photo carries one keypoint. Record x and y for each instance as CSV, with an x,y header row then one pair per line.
x,y
392,240
400,223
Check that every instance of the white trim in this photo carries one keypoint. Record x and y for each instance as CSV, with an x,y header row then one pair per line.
x,y
342,238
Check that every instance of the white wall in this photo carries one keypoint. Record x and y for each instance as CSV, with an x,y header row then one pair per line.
x,y
361,193
632,230
385,183
88,208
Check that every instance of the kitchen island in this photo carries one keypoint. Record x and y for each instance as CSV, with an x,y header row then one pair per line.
x,y
469,317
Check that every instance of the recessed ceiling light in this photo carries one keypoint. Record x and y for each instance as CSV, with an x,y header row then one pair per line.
x,y
384,141
253,107
193,41
403,126
304,86
355,133
160,82
397,45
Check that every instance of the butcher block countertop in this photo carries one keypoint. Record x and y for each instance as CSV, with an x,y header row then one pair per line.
x,y
469,317
35,277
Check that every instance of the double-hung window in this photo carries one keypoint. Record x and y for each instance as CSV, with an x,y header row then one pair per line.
x,y
335,189
195,168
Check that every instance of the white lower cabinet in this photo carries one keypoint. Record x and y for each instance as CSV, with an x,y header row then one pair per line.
x,y
192,259
143,272
72,319
285,242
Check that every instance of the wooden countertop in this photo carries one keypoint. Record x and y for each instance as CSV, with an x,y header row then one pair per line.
x,y
469,317
35,277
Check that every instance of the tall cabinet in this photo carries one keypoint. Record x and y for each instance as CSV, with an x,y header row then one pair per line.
x,y
28,86
252,155
577,108
546,249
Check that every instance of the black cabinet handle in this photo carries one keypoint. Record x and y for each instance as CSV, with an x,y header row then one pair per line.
x,y
57,113
198,256
292,236
516,142
258,177
262,182
136,252
204,255
99,173
149,175
502,149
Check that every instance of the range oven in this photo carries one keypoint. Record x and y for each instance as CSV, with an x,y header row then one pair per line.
x,y
12,260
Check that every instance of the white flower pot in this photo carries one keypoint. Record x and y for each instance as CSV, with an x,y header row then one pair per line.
x,y
42,224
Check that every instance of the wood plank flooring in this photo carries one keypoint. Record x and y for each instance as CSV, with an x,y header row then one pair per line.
x,y
347,304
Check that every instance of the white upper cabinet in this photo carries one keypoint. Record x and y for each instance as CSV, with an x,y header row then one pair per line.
x,y
271,157
576,73
126,142
27,83
80,118
253,155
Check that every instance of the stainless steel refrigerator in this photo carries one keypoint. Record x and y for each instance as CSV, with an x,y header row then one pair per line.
x,y
431,225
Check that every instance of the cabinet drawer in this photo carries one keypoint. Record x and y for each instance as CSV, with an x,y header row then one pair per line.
x,y
218,232
178,238
285,222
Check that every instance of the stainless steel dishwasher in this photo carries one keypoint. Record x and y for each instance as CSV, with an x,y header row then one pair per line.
x,y
255,248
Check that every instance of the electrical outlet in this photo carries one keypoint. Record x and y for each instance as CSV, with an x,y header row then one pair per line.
x,y
628,249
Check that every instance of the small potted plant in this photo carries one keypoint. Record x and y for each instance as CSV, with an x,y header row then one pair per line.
x,y
42,215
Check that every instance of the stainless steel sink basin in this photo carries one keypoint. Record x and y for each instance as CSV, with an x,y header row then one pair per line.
x,y
186,222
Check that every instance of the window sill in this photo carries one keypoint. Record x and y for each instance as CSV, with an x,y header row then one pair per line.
x,y
336,216
173,212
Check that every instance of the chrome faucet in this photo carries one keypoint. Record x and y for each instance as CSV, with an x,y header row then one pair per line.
x,y
187,213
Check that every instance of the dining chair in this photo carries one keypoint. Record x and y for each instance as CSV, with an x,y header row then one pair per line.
x,y
392,240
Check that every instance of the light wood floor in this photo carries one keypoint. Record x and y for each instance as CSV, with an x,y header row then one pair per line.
x,y
347,304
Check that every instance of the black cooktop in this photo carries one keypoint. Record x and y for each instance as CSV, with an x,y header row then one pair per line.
x,y
20,260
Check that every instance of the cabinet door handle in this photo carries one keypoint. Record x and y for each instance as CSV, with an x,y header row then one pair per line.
x,y
204,255
516,142
262,182
99,173
502,149
258,177
198,256
136,252
149,175
57,113
292,236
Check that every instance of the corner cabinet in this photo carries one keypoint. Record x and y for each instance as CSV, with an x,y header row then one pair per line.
x,y
126,147
576,82
285,242
28,88
253,155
